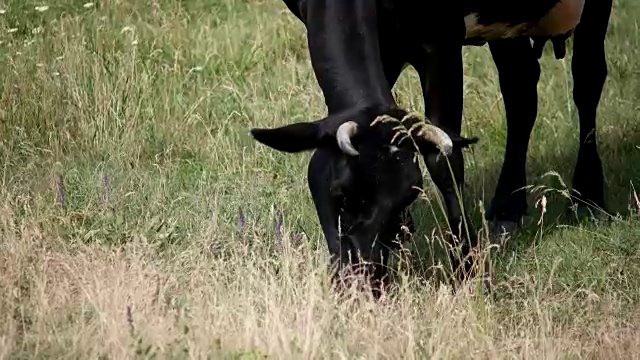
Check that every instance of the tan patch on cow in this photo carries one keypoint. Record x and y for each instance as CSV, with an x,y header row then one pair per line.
x,y
492,31
564,17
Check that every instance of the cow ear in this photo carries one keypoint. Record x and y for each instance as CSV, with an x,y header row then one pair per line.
x,y
290,138
463,142
459,142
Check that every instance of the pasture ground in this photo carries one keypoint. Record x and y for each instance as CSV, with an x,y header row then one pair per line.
x,y
138,218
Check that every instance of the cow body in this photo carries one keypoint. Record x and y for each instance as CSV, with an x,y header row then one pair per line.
x,y
358,49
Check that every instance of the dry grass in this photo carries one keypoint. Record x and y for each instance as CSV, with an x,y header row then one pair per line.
x,y
88,301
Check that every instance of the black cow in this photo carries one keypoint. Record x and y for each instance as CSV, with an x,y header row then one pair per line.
x,y
358,49
362,178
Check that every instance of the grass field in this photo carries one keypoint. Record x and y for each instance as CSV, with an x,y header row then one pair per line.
x,y
138,219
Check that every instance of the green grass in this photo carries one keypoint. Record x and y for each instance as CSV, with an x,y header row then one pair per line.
x,y
143,110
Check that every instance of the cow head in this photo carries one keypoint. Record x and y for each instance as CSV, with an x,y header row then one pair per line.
x,y
369,174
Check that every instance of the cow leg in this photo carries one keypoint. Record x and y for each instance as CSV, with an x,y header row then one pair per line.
x,y
392,54
589,70
519,72
441,79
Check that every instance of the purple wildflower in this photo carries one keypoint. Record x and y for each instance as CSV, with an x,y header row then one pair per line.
x,y
297,240
106,191
242,220
130,317
279,224
61,192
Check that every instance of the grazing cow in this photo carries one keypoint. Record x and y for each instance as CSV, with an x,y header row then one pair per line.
x,y
362,178
358,49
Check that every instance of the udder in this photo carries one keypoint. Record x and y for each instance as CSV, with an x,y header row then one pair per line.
x,y
563,18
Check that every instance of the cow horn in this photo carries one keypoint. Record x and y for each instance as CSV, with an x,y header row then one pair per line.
x,y
438,137
345,132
